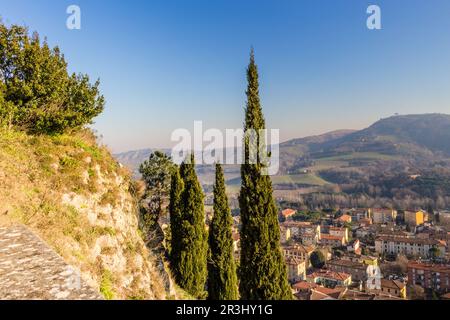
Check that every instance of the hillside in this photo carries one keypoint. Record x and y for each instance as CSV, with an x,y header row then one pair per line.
x,y
372,163
402,161
80,201
408,137
424,136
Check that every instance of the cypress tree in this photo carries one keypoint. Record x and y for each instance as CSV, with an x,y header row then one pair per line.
x,y
192,258
222,277
175,209
263,272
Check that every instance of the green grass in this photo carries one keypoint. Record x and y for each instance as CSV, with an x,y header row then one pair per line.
x,y
360,156
323,164
304,179
106,285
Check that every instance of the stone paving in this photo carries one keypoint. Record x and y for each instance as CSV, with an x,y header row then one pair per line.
x,y
30,270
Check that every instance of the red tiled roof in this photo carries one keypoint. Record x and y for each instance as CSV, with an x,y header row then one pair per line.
x,y
294,261
327,236
334,293
299,247
341,276
392,284
388,238
347,263
444,268
304,285
288,212
345,217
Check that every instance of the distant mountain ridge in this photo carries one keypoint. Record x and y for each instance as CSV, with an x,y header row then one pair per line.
x,y
410,138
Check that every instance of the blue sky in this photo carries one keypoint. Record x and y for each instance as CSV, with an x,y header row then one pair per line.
x,y
164,64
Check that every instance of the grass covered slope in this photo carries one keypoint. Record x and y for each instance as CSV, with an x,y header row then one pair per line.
x,y
74,195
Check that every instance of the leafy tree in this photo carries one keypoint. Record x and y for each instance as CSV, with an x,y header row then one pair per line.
x,y
317,259
37,93
435,253
222,277
416,292
156,173
263,272
190,254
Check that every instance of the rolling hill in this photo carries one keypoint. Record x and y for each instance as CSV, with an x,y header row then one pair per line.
x,y
399,145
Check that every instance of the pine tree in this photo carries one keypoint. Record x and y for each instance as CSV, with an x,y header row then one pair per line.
x,y
222,277
175,210
190,257
263,272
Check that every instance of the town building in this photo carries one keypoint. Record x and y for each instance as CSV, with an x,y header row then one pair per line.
x,y
364,259
357,270
339,232
393,288
409,246
345,218
429,276
414,218
305,232
383,215
329,278
296,269
354,246
288,213
331,240
310,291
298,251
444,218
361,295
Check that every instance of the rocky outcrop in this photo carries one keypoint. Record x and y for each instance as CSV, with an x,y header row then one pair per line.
x,y
71,193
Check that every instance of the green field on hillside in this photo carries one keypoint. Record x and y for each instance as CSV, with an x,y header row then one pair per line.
x,y
360,156
301,179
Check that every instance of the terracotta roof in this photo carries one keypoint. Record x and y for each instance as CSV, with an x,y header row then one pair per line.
x,y
294,261
316,295
333,293
328,274
299,247
392,284
327,236
304,285
347,263
382,296
337,228
288,212
358,295
387,238
345,217
444,268
366,220
446,296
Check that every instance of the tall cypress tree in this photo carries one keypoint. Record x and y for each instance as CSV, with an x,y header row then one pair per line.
x,y
263,272
222,277
191,270
175,209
